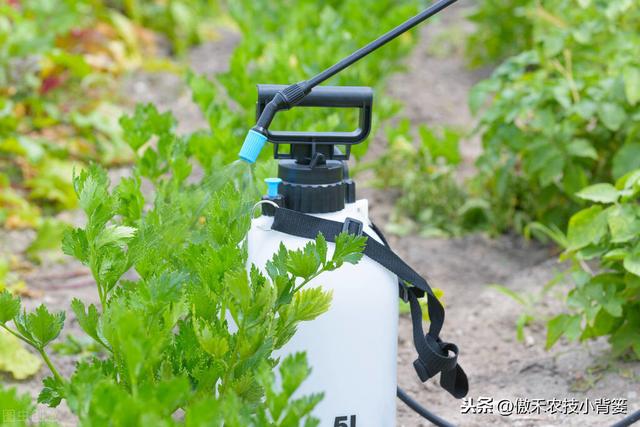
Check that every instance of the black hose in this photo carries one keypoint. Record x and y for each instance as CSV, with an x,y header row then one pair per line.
x,y
422,411
631,419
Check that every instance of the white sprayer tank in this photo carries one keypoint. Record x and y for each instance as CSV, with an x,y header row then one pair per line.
x,y
352,348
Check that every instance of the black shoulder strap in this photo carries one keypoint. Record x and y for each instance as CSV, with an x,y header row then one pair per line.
x,y
434,355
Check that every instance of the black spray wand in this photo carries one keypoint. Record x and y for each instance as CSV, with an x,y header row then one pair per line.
x,y
292,95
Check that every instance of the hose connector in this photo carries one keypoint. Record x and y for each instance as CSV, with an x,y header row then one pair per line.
x,y
253,143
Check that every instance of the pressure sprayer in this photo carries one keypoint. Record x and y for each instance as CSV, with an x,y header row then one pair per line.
x,y
353,347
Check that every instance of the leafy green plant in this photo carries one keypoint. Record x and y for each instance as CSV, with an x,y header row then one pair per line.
x,y
603,244
193,331
430,200
316,35
562,115
502,28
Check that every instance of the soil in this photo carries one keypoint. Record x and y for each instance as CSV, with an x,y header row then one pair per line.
x,y
480,320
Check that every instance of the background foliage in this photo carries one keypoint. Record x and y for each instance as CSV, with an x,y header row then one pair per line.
x,y
562,115
605,300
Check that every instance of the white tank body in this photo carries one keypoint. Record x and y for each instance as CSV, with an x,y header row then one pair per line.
x,y
352,348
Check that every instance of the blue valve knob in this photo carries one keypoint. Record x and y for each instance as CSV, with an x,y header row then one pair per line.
x,y
272,186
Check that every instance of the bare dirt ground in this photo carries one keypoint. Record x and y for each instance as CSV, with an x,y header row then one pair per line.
x,y
479,319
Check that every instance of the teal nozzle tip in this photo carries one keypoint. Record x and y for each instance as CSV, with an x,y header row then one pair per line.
x,y
272,186
253,143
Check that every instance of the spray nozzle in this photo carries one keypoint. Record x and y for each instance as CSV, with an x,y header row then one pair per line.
x,y
253,143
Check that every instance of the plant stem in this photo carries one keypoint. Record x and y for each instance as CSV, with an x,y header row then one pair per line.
x,y
17,335
52,368
101,296
40,350
310,278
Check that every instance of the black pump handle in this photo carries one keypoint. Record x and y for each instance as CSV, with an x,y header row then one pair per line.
x,y
360,97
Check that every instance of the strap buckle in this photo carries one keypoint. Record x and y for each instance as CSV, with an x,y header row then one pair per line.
x,y
404,291
352,226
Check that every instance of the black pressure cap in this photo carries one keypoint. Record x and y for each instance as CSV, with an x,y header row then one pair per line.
x,y
317,188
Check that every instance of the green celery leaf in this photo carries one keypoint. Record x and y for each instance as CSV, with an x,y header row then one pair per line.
x,y
303,263
310,303
87,319
349,248
9,306
293,370
321,248
52,393
40,325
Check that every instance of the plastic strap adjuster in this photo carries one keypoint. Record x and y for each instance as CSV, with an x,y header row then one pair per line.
x,y
352,226
403,291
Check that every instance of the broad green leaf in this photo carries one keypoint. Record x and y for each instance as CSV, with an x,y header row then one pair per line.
x,y
624,224
612,115
617,254
562,324
15,359
586,227
631,77
627,336
632,262
601,193
629,180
